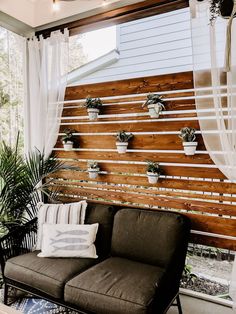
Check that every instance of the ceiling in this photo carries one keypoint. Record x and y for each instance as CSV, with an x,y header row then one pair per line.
x,y
36,13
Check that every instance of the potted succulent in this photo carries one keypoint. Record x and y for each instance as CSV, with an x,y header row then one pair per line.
x,y
153,171
155,105
93,170
93,106
122,141
221,8
188,137
68,139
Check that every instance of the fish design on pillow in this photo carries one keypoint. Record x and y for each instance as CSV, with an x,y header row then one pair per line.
x,y
71,232
68,240
70,248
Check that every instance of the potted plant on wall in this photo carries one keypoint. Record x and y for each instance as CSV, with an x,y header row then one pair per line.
x,y
68,139
188,137
93,106
93,170
122,141
155,105
153,171
221,8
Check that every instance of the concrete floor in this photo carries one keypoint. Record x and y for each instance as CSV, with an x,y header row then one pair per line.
x,y
196,306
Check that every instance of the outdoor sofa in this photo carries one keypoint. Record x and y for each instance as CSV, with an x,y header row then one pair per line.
x,y
141,259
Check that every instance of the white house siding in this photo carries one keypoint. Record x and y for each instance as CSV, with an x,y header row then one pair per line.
x,y
151,46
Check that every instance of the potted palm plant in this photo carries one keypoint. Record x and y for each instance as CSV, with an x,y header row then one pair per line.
x,y
93,170
155,105
122,141
93,106
68,139
23,184
153,171
188,137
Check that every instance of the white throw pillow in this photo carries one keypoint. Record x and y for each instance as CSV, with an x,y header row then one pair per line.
x,y
72,213
63,240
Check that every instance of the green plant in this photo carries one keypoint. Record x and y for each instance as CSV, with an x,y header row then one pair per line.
x,y
93,165
23,185
153,167
68,137
220,7
123,137
188,276
95,103
155,99
187,134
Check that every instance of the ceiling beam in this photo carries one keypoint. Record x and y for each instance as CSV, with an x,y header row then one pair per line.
x,y
117,16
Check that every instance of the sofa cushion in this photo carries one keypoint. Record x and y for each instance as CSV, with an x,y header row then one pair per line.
x,y
104,216
47,275
151,237
116,285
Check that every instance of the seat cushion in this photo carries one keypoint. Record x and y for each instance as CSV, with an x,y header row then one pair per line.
x,y
151,237
47,275
116,285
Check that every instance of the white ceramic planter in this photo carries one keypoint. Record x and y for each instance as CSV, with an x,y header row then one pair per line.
x,y
68,145
93,173
152,177
154,110
93,113
189,148
121,147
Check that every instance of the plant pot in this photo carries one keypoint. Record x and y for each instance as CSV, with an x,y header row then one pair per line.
x,y
152,177
121,147
154,110
190,148
93,113
93,173
68,145
226,8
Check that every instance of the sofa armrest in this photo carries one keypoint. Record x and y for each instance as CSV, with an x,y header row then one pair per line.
x,y
17,242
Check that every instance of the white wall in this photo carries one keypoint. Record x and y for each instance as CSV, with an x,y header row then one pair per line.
x,y
151,46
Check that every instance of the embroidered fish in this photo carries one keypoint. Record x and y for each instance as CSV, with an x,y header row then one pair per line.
x,y
68,240
71,232
70,248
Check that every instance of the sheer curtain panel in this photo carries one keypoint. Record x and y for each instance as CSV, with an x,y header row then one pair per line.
x,y
214,59
46,69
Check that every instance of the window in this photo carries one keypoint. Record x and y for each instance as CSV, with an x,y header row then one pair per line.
x,y
11,86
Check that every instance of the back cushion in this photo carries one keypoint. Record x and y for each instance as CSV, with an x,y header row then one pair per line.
x,y
104,215
150,237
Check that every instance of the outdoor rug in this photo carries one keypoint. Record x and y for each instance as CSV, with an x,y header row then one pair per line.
x,y
37,306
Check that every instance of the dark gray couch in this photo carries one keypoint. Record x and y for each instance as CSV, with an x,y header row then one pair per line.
x,y
141,259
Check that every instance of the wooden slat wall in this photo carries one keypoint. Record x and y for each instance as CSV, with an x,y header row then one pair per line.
x,y
190,184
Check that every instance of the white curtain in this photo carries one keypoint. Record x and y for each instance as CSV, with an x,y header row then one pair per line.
x,y
215,90
46,69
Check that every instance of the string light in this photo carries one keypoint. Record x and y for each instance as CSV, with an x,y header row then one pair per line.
x,y
55,5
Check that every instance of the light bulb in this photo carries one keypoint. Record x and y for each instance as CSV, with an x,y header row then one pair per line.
x,y
55,6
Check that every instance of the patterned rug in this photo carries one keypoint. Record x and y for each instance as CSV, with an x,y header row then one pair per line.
x,y
37,306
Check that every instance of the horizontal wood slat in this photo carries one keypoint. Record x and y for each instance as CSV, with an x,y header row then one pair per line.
x,y
177,184
140,126
150,141
140,156
132,168
189,184
167,82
